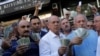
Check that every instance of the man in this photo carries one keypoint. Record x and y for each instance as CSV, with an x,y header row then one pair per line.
x,y
94,11
67,15
79,9
44,26
89,44
15,49
89,25
96,24
50,43
97,28
80,21
65,26
66,29
36,26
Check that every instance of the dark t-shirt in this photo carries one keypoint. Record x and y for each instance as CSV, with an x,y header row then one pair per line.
x,y
33,49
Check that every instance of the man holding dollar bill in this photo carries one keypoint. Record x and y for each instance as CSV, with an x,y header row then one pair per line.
x,y
24,45
89,43
36,32
50,44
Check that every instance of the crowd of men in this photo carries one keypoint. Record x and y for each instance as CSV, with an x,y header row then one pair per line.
x,y
48,33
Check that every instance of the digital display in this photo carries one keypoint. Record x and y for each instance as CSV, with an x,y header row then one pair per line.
x,y
9,6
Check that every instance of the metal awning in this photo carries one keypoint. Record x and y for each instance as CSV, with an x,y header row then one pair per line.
x,y
10,6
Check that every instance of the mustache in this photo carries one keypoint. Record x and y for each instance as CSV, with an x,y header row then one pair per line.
x,y
26,31
66,25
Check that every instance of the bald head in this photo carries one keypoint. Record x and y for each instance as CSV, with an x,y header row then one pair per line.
x,y
54,24
22,22
53,17
80,21
79,16
23,28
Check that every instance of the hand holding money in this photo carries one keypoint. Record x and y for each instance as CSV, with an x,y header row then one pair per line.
x,y
81,32
21,49
38,5
62,50
23,41
76,41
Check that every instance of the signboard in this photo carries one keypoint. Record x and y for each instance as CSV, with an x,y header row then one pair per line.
x,y
5,1
98,3
16,5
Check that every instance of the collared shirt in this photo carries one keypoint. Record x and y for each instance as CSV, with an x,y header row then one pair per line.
x,y
98,47
88,46
49,44
44,29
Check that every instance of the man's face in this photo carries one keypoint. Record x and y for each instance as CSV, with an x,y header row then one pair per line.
x,y
54,24
24,28
80,22
65,25
78,9
89,25
97,23
36,25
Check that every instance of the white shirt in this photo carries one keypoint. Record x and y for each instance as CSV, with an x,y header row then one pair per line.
x,y
0,43
49,44
44,29
98,47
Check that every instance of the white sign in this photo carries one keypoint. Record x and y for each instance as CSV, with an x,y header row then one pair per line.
x,y
10,6
7,1
98,3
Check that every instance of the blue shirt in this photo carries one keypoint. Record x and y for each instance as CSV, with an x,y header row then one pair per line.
x,y
88,46
32,51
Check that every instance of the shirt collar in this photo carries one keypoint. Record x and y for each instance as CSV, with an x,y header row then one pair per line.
x,y
54,35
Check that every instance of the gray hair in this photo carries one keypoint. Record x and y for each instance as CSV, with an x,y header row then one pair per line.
x,y
75,18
